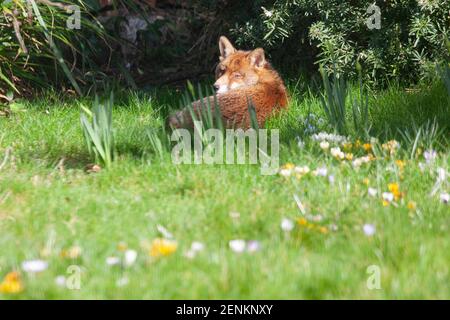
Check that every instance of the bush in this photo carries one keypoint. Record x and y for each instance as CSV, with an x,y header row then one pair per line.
x,y
37,47
412,38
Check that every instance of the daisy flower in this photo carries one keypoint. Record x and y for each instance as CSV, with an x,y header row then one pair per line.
x,y
372,192
369,229
237,245
34,266
287,225
130,257
324,145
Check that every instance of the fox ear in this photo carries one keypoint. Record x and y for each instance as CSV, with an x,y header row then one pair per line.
x,y
225,47
257,58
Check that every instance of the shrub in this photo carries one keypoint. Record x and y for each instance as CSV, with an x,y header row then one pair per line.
x,y
411,39
37,47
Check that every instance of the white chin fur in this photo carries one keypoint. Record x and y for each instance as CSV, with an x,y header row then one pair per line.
x,y
222,89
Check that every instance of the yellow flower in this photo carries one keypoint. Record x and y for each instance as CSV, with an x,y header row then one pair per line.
x,y
412,205
385,203
122,246
162,247
393,187
367,147
419,151
302,221
323,230
288,166
357,143
391,146
366,181
349,156
71,253
395,190
400,164
11,283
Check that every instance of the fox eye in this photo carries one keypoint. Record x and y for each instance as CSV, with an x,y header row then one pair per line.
x,y
237,75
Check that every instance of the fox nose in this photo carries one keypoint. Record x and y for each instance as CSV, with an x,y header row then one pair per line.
x,y
216,86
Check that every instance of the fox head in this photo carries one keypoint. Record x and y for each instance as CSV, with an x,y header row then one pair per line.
x,y
238,69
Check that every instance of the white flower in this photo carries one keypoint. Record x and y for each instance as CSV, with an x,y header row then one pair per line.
x,y
34,266
372,192
335,151
388,196
324,145
365,159
323,136
237,245
369,229
445,197
287,225
112,261
357,162
441,174
197,246
321,172
253,246
130,257
60,281
285,172
302,170
331,178
429,155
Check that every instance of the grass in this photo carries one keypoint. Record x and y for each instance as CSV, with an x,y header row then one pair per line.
x,y
48,206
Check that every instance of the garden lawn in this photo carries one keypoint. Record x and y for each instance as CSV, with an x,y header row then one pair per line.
x,y
321,246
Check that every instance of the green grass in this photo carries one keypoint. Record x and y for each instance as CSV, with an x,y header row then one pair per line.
x,y
44,206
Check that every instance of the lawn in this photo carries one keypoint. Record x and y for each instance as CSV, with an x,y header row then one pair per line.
x,y
322,230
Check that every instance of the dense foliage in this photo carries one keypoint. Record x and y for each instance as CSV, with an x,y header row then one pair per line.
x,y
413,35
37,47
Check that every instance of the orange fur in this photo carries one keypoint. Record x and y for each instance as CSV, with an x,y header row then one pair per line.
x,y
240,76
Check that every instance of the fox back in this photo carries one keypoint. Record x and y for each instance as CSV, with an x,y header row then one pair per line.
x,y
241,77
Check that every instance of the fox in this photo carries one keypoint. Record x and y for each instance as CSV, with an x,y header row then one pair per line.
x,y
241,77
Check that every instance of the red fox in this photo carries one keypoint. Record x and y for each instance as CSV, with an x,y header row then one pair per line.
x,y
241,76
